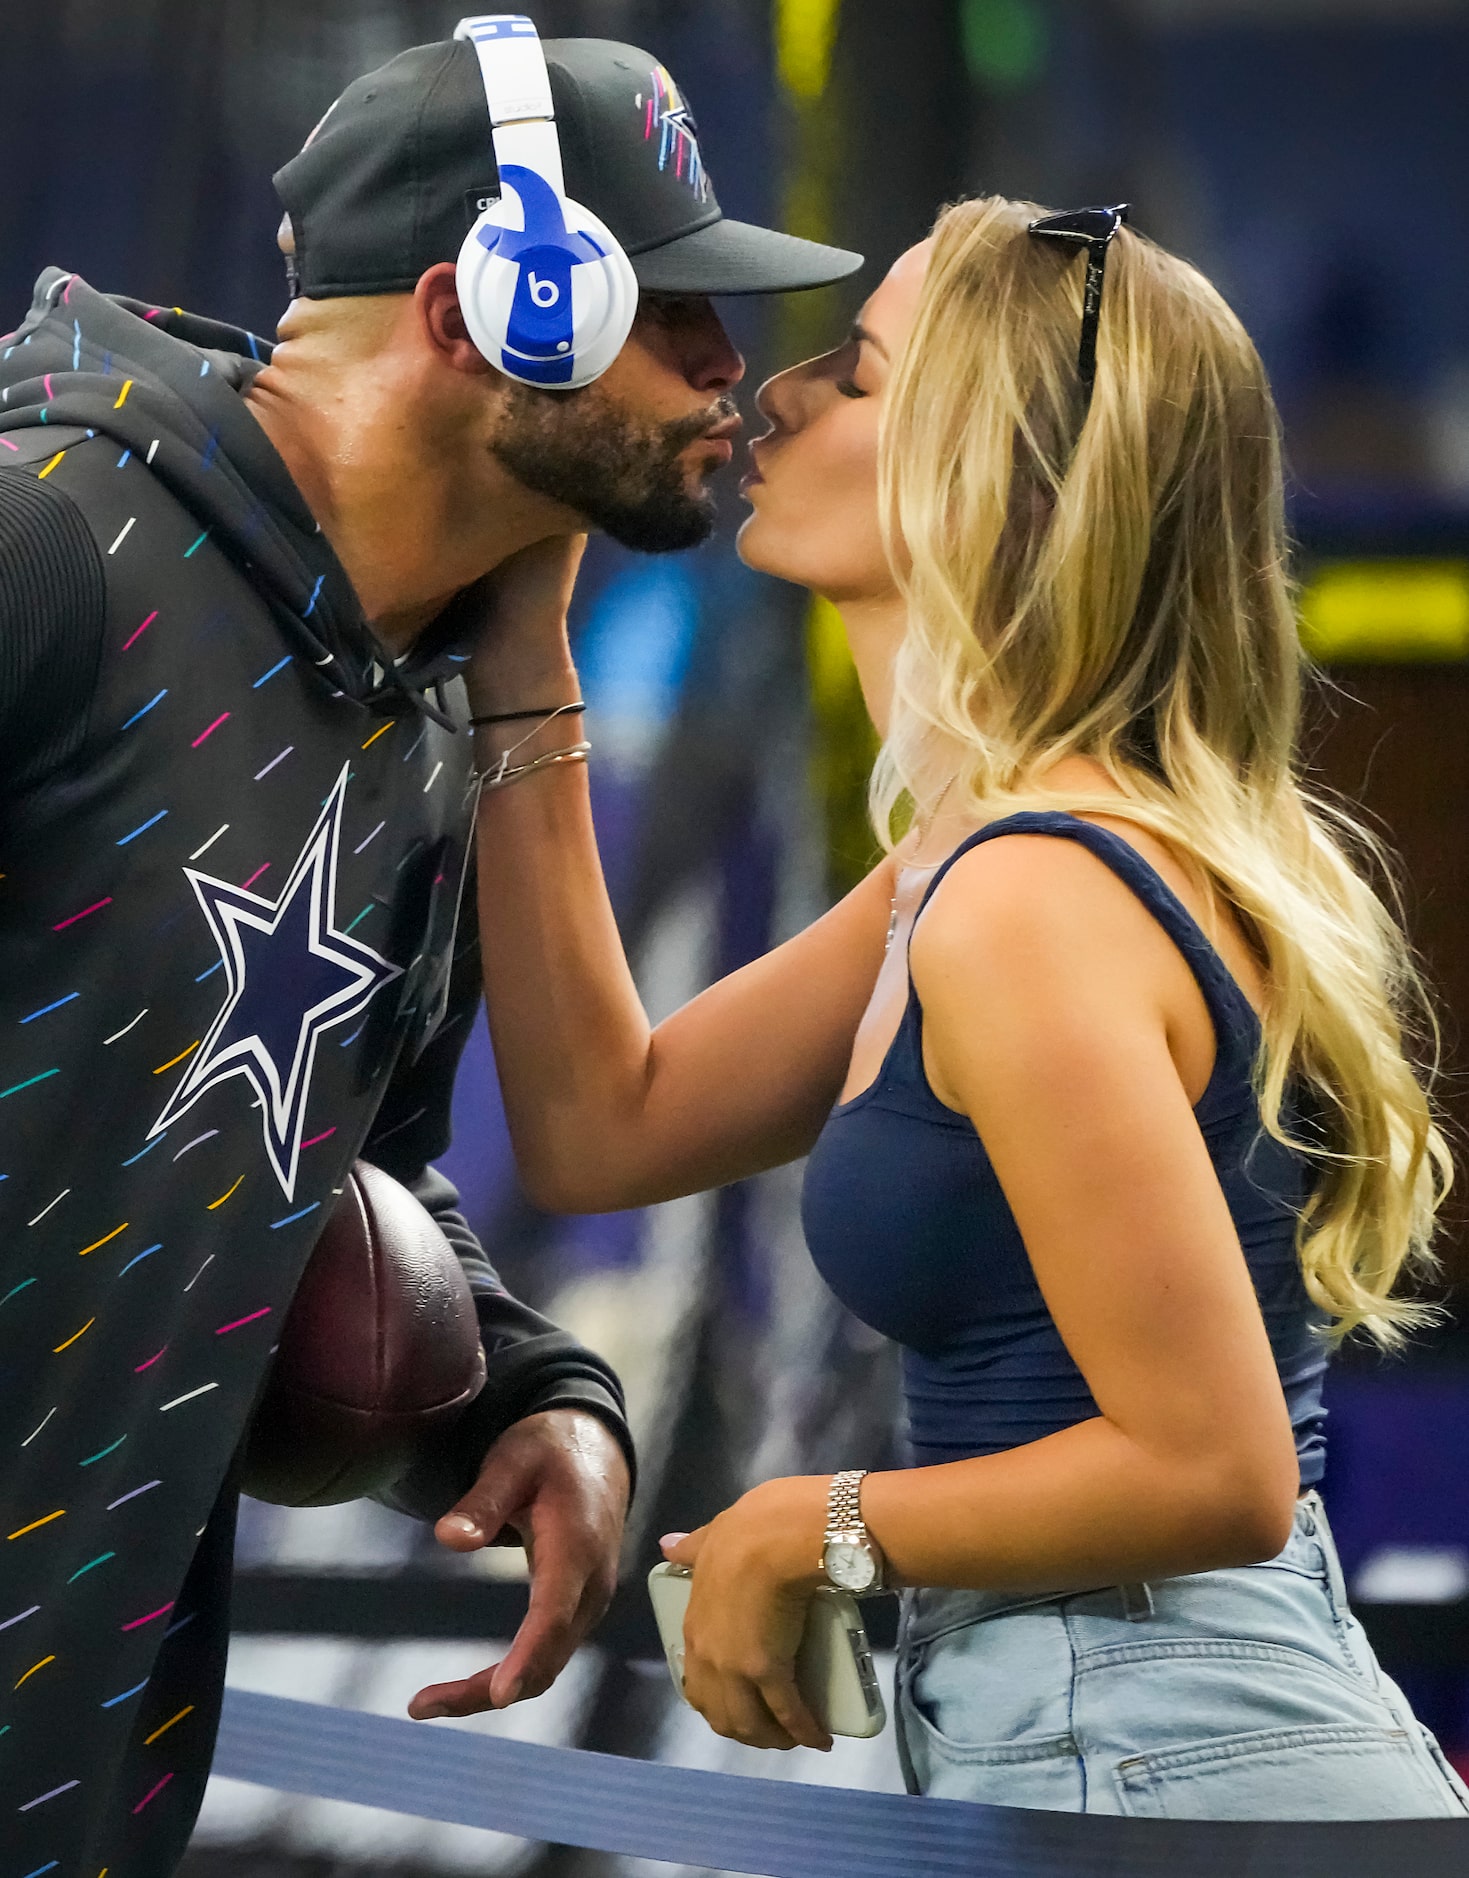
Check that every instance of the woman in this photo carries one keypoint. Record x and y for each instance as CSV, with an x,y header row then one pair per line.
x,y
1124,1134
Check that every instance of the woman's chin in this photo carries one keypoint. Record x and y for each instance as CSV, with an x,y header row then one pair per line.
x,y
749,545
753,546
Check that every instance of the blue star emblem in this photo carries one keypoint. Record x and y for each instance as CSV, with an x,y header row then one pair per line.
x,y
290,977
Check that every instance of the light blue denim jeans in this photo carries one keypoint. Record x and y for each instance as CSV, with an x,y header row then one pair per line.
x,y
1239,1694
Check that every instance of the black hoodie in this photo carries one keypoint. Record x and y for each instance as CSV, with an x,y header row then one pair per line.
x,y
232,846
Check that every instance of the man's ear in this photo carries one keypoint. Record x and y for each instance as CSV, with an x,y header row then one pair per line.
x,y
436,298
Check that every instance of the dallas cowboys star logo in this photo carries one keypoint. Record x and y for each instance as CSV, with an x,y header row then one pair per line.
x,y
291,977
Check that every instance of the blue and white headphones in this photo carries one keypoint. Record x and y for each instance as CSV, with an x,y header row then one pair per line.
x,y
547,293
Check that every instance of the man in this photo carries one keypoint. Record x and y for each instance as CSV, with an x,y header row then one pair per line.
x,y
237,800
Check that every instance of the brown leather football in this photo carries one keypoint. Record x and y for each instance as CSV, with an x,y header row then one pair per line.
x,y
379,1350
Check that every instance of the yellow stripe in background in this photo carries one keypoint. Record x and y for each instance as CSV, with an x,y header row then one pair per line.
x,y
805,34
1362,611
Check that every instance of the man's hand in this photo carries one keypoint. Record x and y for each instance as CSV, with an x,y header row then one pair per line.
x,y
559,1481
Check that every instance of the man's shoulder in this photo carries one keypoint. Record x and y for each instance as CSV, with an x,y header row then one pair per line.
x,y
44,532
44,502
31,448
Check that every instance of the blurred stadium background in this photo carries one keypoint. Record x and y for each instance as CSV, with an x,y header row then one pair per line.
x,y
1313,157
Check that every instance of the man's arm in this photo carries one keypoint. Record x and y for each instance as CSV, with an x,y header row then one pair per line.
x,y
532,1366
544,1453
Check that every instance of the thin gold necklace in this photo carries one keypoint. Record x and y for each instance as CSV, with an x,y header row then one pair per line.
x,y
927,868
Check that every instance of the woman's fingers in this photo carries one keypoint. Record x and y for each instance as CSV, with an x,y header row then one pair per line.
x,y
783,1700
683,1548
760,1706
735,1708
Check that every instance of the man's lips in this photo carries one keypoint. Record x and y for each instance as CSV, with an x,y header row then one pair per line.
x,y
719,439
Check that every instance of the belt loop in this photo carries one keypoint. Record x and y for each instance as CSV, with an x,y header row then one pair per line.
x,y
1137,1603
1335,1578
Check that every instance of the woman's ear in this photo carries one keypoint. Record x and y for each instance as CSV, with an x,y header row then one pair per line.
x,y
441,317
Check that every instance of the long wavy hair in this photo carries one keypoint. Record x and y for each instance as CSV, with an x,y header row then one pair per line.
x,y
1118,588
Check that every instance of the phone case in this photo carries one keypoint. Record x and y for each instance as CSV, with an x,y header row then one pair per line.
x,y
834,1669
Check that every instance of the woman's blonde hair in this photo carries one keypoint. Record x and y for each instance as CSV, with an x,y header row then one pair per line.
x,y
1123,594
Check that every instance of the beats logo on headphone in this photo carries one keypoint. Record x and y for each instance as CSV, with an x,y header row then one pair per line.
x,y
548,295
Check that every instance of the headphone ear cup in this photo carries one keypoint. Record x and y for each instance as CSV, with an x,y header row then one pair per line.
x,y
553,312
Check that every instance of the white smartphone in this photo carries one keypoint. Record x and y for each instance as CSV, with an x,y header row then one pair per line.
x,y
834,1669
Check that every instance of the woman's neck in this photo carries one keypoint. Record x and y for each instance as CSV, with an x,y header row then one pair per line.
x,y
953,816
874,627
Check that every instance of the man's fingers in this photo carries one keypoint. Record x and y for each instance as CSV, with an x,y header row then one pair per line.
x,y
480,1516
553,1626
541,1649
471,1696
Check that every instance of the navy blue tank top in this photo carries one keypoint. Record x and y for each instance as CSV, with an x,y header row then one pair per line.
x,y
907,1222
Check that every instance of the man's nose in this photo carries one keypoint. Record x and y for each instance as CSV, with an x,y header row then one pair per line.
x,y
712,362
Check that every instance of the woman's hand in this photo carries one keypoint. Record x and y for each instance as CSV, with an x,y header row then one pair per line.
x,y
521,646
755,1568
531,590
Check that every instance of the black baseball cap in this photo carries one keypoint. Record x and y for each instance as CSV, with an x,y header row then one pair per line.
x,y
396,173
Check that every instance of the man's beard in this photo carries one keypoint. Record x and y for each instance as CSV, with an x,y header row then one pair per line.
x,y
621,473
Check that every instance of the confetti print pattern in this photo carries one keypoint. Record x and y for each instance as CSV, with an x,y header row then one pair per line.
x,y
231,930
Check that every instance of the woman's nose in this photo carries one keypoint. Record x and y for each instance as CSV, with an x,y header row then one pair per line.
x,y
778,400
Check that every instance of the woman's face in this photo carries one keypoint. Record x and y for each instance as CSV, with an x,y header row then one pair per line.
x,y
812,489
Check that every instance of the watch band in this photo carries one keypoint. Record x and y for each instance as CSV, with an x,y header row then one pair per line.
x,y
844,1503
845,1526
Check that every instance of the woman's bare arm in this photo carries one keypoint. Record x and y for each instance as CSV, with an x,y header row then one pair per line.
x,y
604,1110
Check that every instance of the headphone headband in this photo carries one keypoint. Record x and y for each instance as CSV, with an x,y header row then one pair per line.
x,y
517,86
547,293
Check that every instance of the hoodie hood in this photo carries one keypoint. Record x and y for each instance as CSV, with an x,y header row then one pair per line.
x,y
168,385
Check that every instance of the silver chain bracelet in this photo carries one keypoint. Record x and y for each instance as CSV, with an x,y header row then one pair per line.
x,y
504,772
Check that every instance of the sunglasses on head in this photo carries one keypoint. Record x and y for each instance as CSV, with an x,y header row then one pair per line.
x,y
1092,229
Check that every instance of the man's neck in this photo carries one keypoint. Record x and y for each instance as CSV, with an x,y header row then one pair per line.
x,y
413,514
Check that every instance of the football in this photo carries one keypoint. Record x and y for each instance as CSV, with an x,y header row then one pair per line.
x,y
379,1351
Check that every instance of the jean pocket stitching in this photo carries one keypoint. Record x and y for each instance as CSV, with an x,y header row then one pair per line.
x,y
1226,1748
1247,1649
992,1753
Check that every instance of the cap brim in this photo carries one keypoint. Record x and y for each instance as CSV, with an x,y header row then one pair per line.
x,y
726,257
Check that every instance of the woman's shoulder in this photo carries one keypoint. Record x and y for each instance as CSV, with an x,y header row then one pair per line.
x,y
1025,880
1030,915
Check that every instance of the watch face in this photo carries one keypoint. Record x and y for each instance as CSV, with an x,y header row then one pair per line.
x,y
849,1564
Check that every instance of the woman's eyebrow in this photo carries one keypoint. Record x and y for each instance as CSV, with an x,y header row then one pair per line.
x,y
860,333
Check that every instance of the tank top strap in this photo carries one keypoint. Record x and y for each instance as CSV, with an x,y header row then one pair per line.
x,y
1236,1024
